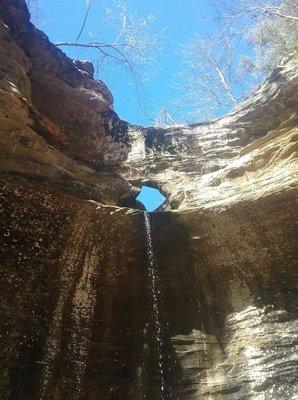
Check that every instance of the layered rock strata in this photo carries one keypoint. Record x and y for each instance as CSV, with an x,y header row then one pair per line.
x,y
57,122
247,154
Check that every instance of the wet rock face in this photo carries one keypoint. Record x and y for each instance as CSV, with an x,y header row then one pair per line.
x,y
227,284
76,313
73,298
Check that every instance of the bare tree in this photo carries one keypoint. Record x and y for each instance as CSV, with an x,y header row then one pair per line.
x,y
125,39
132,44
273,37
208,79
219,71
258,9
164,118
270,28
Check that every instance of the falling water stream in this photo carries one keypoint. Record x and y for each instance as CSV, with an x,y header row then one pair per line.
x,y
155,309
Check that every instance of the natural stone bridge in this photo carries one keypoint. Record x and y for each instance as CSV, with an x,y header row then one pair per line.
x,y
76,317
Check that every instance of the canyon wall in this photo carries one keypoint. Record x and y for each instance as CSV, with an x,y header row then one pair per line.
x,y
244,155
57,122
76,317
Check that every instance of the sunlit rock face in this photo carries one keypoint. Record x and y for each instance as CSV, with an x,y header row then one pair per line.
x,y
227,282
245,155
78,278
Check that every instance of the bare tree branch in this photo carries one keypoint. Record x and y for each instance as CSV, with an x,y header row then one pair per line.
x,y
102,48
85,20
220,71
281,15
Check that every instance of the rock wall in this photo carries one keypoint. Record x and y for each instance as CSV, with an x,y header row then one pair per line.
x,y
76,316
227,282
244,155
57,122
71,277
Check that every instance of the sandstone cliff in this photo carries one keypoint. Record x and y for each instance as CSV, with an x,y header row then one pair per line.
x,y
57,122
247,154
76,319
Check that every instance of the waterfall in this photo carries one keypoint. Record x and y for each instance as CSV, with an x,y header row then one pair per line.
x,y
155,309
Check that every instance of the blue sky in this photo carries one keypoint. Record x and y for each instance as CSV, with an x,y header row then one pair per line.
x,y
180,19
151,198
61,20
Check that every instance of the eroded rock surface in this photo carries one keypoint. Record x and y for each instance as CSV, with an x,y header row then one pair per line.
x,y
76,316
228,298
247,154
57,122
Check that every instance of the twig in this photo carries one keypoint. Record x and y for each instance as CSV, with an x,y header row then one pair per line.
x,y
84,21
